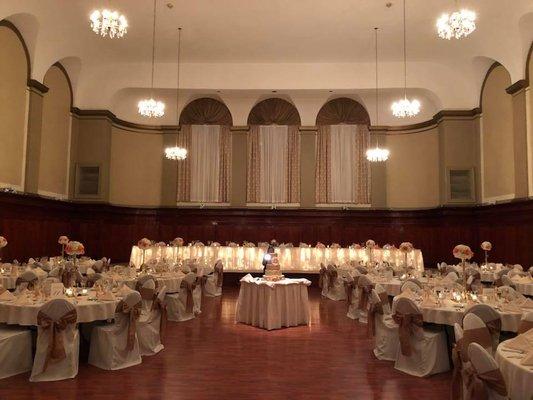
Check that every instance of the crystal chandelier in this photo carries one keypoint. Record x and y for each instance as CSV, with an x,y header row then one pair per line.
x,y
377,154
405,108
152,108
456,25
108,23
176,152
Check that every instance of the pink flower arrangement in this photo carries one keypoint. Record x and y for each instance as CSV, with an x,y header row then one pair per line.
x,y
178,242
232,244
74,248
463,252
335,246
248,244
161,244
144,244
370,244
3,242
215,244
320,245
406,247
486,246
63,240
355,246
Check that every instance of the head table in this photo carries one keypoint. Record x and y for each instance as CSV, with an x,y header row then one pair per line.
x,y
292,259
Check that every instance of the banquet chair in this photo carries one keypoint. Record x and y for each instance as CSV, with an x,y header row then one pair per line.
x,y
413,284
510,293
15,350
58,342
29,277
473,282
475,331
116,345
352,300
483,378
458,387
150,329
362,270
506,281
184,305
384,296
336,289
512,273
518,267
91,279
452,276
213,284
147,290
364,291
422,352
323,280
526,322
499,276
383,327
490,317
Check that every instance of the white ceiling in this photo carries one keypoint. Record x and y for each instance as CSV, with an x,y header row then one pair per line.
x,y
247,48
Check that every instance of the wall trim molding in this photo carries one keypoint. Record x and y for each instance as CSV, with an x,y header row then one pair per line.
x,y
517,86
37,87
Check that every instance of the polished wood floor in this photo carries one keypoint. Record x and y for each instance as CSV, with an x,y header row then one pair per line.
x,y
211,357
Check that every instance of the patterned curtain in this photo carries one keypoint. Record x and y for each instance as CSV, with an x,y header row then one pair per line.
x,y
225,165
293,181
323,165
254,163
184,166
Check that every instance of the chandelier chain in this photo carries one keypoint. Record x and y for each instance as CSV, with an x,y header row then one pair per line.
x,y
377,92
153,45
404,54
178,87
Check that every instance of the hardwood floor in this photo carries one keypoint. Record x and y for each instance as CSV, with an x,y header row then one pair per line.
x,y
211,357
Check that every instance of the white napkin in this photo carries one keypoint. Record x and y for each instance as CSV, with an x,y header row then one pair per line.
x,y
90,271
22,300
124,290
7,295
520,343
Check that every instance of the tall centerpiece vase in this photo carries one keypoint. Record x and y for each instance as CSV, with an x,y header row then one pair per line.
x,y
74,249
486,247
63,241
144,244
370,244
463,252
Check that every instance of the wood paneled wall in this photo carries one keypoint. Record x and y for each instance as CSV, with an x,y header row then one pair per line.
x,y
32,225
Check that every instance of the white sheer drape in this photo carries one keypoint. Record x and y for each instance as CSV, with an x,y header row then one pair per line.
x,y
343,176
204,157
273,143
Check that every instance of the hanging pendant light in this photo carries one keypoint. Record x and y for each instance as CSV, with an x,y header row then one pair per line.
x,y
176,152
456,25
405,108
152,108
377,154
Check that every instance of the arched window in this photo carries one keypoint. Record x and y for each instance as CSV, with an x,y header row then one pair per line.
x,y
342,170
273,153
204,177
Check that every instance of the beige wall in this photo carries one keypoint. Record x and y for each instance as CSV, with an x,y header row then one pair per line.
x,y
13,94
412,171
55,135
136,168
497,137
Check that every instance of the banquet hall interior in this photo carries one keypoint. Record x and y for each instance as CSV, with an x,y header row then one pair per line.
x,y
319,199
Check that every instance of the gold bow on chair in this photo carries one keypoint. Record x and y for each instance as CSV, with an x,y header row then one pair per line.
x,y
364,296
189,305
407,324
457,377
219,272
134,313
160,304
477,384
56,347
332,276
375,308
349,286
322,273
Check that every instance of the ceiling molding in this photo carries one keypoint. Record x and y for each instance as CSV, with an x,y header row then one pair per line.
x,y
517,86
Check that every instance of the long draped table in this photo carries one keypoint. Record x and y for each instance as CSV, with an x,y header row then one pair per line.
x,y
273,305
518,378
292,259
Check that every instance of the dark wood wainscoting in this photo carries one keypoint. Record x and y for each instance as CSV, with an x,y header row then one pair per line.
x,y
32,225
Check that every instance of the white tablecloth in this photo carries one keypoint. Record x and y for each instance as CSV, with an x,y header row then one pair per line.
x,y
450,315
518,378
273,305
292,259
172,281
88,311
524,285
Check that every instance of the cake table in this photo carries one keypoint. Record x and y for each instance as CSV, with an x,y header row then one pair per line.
x,y
273,305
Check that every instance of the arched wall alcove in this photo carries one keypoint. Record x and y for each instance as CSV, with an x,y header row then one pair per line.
x,y
274,111
342,110
206,111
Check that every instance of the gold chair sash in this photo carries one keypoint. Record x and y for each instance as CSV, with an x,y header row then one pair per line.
x,y
134,313
159,304
457,377
322,276
525,326
480,336
189,287
219,272
332,277
56,347
349,286
407,324
366,290
375,308
478,384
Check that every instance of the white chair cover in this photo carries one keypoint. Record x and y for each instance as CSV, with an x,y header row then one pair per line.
x,y
526,322
213,285
352,298
150,330
181,306
323,280
58,342
506,281
422,351
411,284
484,380
15,351
475,331
364,291
336,289
491,318
116,346
386,340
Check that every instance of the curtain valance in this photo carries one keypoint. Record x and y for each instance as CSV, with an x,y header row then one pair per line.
x,y
206,111
342,111
274,111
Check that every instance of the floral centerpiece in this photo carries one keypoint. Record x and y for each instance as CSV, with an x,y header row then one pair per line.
x,y
370,245
274,243
199,244
405,248
304,245
74,249
144,244
3,243
355,246
178,242
248,244
486,247
335,246
161,244
463,252
320,245
63,240
232,244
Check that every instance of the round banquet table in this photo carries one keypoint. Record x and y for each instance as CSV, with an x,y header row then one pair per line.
x,y
88,311
518,378
273,305
524,288
172,281
8,282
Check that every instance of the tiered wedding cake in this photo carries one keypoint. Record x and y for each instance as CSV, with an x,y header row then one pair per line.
x,y
273,270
